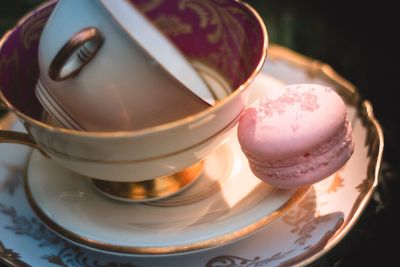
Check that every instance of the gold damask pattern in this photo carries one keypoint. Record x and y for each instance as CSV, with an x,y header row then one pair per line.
x,y
33,228
12,60
69,255
13,179
172,25
150,5
304,218
234,261
73,256
218,18
364,185
31,31
336,184
10,257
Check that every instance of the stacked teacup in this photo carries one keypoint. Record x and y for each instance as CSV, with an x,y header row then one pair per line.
x,y
131,90
113,70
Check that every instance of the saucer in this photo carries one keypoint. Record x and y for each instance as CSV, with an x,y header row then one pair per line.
x,y
226,203
307,231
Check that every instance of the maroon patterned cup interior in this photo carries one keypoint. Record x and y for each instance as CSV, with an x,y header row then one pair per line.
x,y
223,35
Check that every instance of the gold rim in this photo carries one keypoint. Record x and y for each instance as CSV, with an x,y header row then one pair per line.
x,y
163,127
76,45
75,158
316,68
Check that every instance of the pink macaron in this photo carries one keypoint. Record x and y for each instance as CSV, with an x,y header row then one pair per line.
x,y
297,136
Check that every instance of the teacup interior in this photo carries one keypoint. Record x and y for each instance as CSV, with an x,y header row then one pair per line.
x,y
219,38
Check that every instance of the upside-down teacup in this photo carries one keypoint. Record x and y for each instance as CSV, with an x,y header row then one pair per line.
x,y
113,69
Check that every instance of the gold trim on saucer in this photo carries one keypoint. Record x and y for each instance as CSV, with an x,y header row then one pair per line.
x,y
316,68
149,190
375,145
375,139
10,257
297,196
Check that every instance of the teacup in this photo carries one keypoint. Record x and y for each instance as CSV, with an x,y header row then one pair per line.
x,y
234,29
112,69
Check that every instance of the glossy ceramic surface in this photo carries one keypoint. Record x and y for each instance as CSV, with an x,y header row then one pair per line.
x,y
148,153
118,77
227,203
307,231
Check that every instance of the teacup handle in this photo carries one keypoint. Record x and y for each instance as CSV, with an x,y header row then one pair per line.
x,y
17,138
75,54
20,138
7,136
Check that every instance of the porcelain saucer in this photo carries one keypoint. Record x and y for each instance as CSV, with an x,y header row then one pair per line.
x,y
307,231
227,203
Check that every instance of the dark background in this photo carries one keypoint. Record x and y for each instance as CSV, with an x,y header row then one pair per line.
x,y
358,39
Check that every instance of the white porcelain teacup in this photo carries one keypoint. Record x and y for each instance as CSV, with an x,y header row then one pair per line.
x,y
112,69
235,39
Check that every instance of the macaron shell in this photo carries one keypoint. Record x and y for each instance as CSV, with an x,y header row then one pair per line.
x,y
299,119
296,136
311,171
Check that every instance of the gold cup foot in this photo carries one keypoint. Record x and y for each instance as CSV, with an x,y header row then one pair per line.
x,y
144,191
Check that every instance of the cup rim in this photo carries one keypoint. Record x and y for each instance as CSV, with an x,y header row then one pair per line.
x,y
145,131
